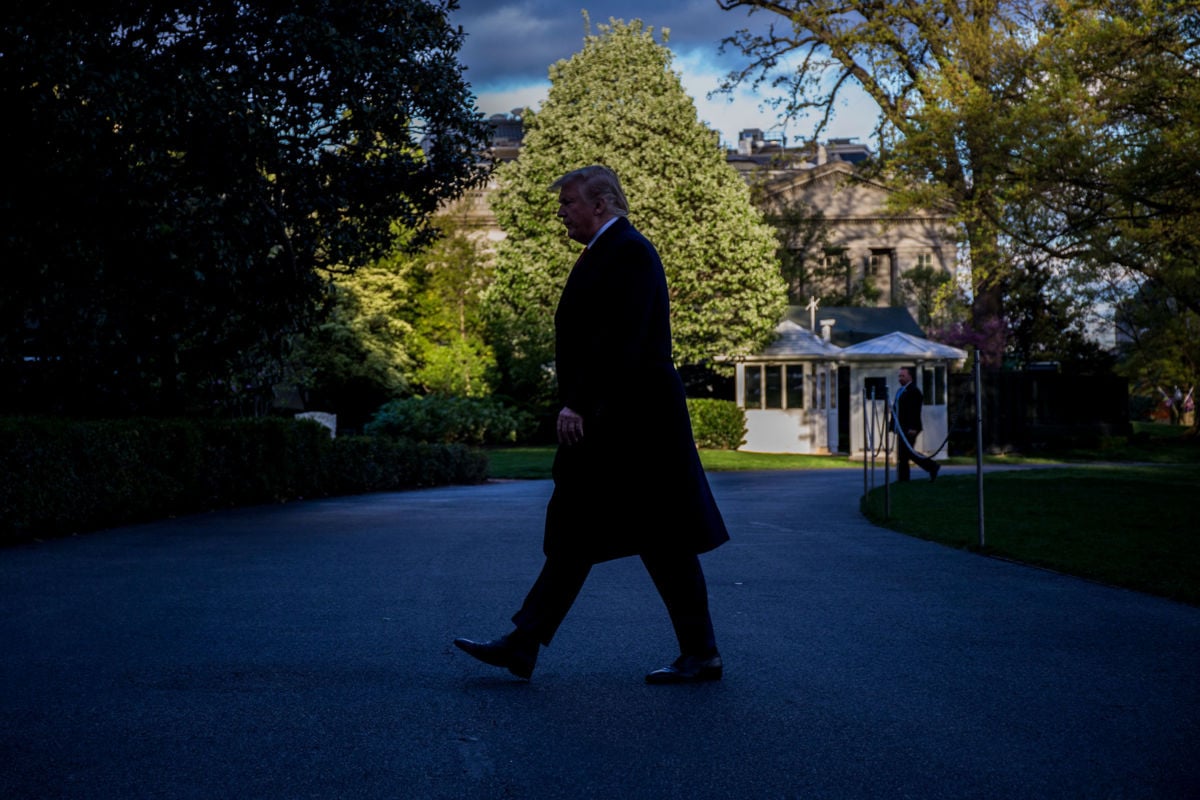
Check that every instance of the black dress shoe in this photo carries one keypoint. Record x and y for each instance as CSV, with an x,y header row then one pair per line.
x,y
517,657
688,669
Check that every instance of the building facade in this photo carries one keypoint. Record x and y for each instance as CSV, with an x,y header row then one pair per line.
x,y
863,241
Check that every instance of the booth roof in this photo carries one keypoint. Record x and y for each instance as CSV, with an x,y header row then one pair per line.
x,y
794,340
896,344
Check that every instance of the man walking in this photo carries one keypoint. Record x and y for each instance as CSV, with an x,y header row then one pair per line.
x,y
906,421
627,477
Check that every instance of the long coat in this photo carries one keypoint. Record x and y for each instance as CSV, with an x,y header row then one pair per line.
x,y
634,484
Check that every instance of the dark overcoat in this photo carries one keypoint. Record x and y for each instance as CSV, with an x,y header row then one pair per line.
x,y
634,484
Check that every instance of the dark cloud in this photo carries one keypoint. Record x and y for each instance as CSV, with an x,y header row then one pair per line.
x,y
514,42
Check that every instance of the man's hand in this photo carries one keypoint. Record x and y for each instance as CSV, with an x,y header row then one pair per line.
x,y
570,426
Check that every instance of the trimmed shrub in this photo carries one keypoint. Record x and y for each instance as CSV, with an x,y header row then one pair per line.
x,y
62,476
465,420
717,424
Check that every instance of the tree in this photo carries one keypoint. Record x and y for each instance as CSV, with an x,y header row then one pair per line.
x,y
1068,126
361,354
453,355
1048,321
186,171
1115,178
619,103
407,324
1160,342
932,291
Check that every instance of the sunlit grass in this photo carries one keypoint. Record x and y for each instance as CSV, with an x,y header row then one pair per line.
x,y
1130,526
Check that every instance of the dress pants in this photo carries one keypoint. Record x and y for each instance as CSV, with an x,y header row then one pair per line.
x,y
677,576
904,455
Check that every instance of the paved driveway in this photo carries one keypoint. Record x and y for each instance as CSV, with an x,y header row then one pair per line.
x,y
304,651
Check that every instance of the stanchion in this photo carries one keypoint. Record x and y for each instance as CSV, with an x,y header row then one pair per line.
x,y
866,446
979,443
887,461
871,450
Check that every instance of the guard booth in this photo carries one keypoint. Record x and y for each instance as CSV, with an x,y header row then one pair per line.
x,y
789,393
806,395
873,366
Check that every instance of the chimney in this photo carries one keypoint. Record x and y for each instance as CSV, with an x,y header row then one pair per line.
x,y
827,328
822,155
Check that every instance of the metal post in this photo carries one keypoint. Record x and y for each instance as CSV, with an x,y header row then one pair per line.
x,y
866,449
979,443
887,458
874,433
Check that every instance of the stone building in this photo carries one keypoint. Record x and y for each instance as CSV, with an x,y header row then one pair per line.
x,y
863,239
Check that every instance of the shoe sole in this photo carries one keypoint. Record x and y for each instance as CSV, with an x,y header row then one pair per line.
x,y
664,678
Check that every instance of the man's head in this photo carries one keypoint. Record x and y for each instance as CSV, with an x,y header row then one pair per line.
x,y
587,198
905,376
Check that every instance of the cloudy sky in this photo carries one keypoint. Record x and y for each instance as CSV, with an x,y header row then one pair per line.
x,y
511,44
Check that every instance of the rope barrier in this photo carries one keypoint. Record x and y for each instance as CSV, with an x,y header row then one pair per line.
x,y
900,434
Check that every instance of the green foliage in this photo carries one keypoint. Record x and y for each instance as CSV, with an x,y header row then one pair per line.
x,y
932,291
717,424
1117,178
618,102
187,168
467,420
1161,345
378,464
453,355
360,355
68,476
409,322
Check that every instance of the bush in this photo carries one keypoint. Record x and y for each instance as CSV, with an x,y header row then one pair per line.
x,y
62,476
717,424
465,420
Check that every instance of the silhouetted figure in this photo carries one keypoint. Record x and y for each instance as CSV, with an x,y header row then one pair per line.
x,y
627,476
906,421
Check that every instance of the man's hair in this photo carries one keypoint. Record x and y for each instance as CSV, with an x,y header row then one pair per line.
x,y
597,182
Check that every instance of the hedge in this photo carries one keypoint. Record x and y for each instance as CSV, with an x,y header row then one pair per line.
x,y
717,424
59,477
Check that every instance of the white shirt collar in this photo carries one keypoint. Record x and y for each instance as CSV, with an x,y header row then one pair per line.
x,y
603,228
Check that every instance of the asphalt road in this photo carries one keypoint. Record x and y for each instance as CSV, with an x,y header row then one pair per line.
x,y
304,651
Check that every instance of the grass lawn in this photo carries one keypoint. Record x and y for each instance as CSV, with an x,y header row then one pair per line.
x,y
1129,526
1125,513
535,462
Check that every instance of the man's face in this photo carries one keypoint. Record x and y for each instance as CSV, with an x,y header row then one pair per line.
x,y
904,377
581,218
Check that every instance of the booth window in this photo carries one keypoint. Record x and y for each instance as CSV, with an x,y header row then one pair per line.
x,y
933,385
775,386
754,391
795,385
773,394
875,389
